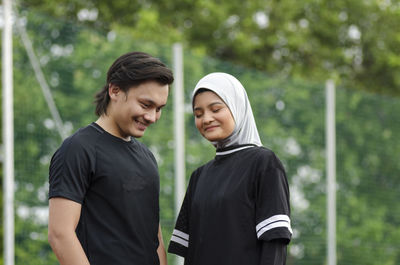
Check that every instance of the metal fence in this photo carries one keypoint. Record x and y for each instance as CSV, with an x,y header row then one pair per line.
x,y
290,115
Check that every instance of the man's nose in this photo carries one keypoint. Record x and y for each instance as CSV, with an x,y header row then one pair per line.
x,y
150,116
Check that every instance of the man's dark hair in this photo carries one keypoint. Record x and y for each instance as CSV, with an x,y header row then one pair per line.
x,y
132,69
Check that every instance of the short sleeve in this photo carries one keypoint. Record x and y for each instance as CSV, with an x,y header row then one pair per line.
x,y
180,235
272,201
70,170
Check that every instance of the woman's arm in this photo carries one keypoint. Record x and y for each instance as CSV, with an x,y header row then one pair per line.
x,y
273,253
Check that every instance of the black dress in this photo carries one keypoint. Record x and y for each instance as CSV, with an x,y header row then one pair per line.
x,y
236,211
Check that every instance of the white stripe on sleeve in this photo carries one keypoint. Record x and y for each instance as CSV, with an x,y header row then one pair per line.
x,y
275,221
180,234
180,241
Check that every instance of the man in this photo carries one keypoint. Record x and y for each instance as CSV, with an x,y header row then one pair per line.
x,y
104,184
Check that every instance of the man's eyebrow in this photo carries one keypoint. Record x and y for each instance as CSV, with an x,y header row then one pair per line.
x,y
151,102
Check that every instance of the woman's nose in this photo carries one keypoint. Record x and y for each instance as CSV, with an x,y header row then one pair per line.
x,y
207,118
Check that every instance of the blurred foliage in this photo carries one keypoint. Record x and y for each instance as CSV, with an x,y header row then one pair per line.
x,y
351,41
289,111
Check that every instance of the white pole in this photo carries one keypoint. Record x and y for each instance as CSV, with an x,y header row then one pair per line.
x,y
179,129
8,135
331,171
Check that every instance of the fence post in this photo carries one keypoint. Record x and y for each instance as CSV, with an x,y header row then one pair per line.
x,y
331,171
8,135
179,129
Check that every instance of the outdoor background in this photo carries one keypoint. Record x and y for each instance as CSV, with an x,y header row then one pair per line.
x,y
282,52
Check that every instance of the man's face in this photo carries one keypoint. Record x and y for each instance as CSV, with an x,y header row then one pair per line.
x,y
134,111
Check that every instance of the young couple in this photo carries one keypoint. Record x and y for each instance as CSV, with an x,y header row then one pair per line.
x,y
104,183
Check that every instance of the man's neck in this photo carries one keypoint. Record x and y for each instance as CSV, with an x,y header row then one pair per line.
x,y
109,126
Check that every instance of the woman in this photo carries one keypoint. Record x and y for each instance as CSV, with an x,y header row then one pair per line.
x,y
236,208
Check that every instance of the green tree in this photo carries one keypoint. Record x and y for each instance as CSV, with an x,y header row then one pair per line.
x,y
289,114
352,41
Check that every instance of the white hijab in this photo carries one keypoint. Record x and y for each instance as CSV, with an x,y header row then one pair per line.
x,y
232,92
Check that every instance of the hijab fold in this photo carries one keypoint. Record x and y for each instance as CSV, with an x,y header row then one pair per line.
x,y
232,92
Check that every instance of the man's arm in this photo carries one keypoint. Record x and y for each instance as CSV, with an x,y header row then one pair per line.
x,y
162,255
64,216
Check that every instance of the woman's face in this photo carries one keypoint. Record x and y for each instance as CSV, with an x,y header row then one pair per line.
x,y
213,118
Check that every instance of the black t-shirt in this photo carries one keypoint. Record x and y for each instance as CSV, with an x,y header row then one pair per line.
x,y
117,184
234,204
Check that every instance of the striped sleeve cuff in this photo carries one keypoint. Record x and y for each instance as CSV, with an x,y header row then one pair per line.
x,y
180,238
277,221
179,243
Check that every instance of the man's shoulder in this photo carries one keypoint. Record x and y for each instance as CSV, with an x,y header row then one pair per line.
x,y
83,138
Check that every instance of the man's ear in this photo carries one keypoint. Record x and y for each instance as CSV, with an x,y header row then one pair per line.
x,y
113,91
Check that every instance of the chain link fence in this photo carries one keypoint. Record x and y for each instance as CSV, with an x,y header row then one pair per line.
x,y
290,116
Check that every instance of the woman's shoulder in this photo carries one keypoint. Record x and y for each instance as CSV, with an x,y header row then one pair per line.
x,y
201,168
266,157
260,152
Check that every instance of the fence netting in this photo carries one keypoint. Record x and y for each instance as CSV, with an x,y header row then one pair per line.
x,y
290,115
